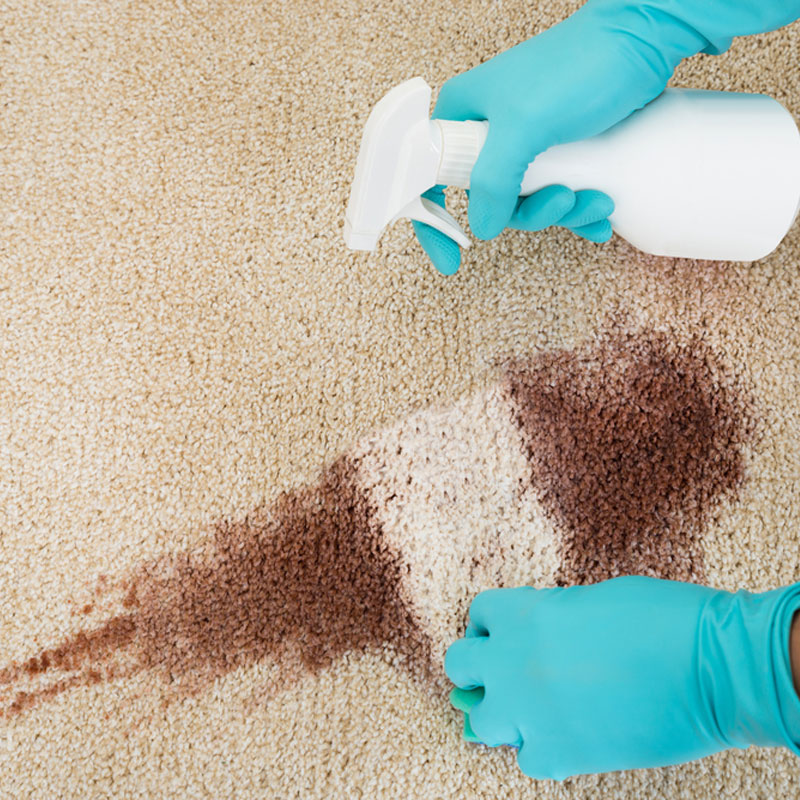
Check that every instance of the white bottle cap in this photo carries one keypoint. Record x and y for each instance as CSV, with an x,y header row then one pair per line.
x,y
461,144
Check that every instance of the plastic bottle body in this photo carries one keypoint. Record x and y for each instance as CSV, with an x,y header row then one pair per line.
x,y
695,174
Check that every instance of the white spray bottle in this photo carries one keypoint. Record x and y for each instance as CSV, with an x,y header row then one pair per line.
x,y
693,174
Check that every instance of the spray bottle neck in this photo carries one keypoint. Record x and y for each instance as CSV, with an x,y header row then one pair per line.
x,y
460,143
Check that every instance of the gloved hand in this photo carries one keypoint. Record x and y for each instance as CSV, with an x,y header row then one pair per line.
x,y
631,672
570,82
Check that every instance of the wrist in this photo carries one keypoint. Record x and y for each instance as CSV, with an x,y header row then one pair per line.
x,y
656,38
746,670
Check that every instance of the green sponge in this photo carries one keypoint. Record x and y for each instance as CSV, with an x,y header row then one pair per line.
x,y
463,700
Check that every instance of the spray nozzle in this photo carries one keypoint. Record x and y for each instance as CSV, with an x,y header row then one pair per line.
x,y
401,156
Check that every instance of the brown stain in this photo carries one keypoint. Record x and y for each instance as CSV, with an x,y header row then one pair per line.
x,y
302,583
633,441
25,700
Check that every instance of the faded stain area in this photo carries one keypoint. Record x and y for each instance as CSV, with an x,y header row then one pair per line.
x,y
301,583
633,442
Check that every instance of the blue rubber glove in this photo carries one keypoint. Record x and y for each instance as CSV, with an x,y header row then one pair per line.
x,y
631,672
570,82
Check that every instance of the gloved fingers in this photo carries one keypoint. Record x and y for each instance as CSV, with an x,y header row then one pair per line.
x,y
541,766
542,209
489,725
464,699
475,630
444,253
590,206
530,762
469,734
488,608
436,195
595,231
463,662
457,100
496,179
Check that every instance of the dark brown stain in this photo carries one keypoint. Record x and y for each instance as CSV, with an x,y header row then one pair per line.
x,y
633,441
302,583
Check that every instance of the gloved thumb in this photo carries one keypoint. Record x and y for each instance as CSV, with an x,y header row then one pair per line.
x,y
496,178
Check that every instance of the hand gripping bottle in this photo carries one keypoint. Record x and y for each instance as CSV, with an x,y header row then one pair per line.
x,y
693,174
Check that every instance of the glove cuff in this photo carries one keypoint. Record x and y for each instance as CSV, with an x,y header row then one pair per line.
x,y
745,668
788,702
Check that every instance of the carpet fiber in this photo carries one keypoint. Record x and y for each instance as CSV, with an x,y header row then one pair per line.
x,y
250,480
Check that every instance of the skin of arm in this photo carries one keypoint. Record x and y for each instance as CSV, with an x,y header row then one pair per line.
x,y
794,651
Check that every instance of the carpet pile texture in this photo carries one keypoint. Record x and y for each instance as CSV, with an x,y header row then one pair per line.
x,y
250,480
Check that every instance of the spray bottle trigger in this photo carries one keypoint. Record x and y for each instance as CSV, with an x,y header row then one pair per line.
x,y
423,210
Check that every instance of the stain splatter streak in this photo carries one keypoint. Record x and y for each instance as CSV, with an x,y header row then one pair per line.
x,y
633,441
302,583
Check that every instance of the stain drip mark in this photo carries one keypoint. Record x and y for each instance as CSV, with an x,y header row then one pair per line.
x,y
633,441
301,583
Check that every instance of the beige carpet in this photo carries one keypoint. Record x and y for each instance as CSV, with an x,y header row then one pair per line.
x,y
250,480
